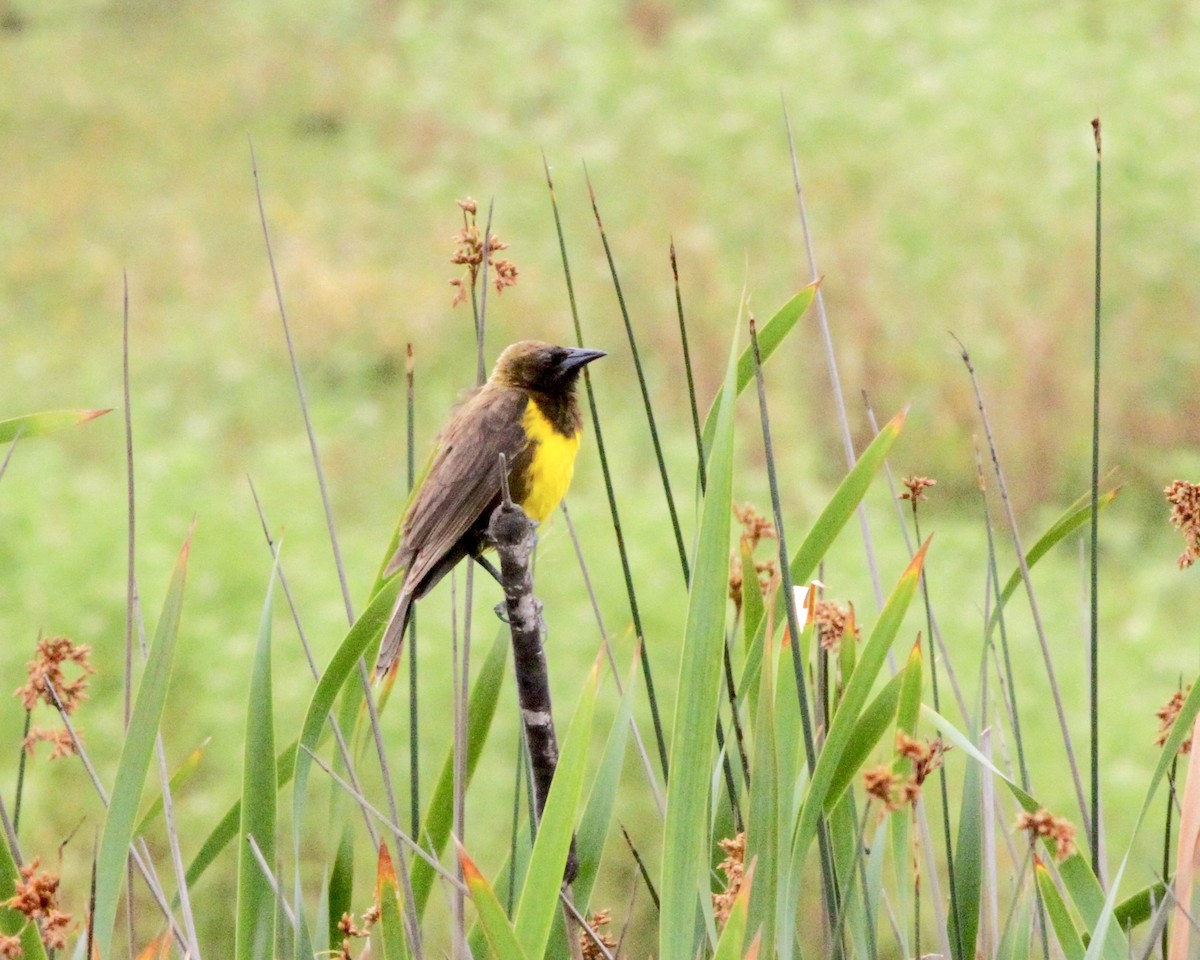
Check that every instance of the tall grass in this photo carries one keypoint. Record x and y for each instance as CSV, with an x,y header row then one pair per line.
x,y
796,737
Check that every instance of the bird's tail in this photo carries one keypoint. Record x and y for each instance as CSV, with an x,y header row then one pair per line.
x,y
393,636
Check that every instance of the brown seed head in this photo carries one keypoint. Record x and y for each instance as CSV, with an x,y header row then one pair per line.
x,y
916,487
1055,831
47,665
833,624
734,868
1167,715
587,945
1184,499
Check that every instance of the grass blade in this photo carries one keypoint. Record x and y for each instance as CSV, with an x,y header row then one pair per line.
x,y
499,931
183,773
1060,917
255,933
40,424
867,732
770,336
842,728
686,848
135,759
539,895
439,814
392,943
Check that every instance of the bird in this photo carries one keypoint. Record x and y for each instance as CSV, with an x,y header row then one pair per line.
x,y
526,410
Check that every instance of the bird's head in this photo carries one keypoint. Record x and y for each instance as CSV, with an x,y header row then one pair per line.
x,y
534,365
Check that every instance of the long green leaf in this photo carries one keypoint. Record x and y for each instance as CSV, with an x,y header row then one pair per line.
x,y
539,895
366,631
685,844
481,708
255,933
898,827
1074,517
183,773
392,943
968,862
868,730
1060,917
500,933
770,335
135,759
843,724
40,424
597,815
762,822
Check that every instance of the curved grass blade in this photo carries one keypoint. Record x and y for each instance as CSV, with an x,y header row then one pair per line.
x,y
539,894
366,631
226,829
183,773
597,814
866,734
968,864
40,424
762,821
1074,517
1060,917
1139,907
255,932
392,943
499,931
135,758
481,708
842,727
685,846
770,336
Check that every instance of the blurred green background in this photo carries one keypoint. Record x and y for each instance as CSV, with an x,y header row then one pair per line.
x,y
948,167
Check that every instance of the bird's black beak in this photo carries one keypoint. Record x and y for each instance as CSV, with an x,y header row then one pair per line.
x,y
578,358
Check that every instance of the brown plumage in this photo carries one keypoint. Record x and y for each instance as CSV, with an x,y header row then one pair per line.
x,y
527,411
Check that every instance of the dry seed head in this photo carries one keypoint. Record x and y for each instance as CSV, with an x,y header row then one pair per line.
x,y
834,623
1055,831
734,868
587,945
1167,715
916,487
47,665
64,745
1184,499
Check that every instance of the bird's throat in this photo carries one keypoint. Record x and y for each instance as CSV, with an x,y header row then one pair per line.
x,y
551,466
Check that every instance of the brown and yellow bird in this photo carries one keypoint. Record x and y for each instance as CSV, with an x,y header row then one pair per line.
x,y
527,410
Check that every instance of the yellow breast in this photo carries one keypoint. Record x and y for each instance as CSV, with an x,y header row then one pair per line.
x,y
552,466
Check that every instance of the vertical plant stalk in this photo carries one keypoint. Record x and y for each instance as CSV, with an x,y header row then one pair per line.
x,y
414,749
830,360
1094,649
308,426
955,932
828,878
130,579
1034,611
641,377
687,367
513,534
655,713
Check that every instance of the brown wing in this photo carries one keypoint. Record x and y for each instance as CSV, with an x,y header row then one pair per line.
x,y
462,480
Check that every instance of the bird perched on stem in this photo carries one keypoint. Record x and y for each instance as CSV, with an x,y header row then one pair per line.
x,y
527,410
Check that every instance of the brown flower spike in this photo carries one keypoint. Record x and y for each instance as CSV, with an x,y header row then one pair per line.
x,y
1184,499
1167,715
734,868
47,665
833,624
469,253
916,487
1055,831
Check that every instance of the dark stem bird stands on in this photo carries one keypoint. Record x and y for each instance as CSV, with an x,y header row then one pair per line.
x,y
512,533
